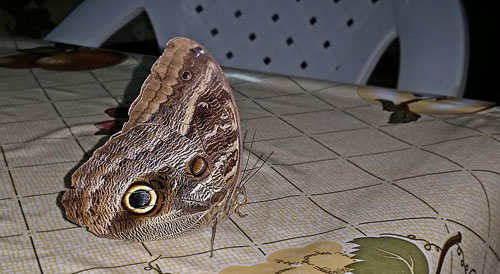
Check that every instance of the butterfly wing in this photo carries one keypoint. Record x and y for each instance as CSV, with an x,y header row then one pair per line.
x,y
175,164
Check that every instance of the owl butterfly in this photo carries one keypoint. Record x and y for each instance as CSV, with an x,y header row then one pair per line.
x,y
174,166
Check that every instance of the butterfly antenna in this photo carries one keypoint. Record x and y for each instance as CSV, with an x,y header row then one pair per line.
x,y
259,157
263,162
248,158
244,138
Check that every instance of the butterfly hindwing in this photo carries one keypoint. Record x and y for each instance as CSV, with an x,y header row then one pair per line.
x,y
175,164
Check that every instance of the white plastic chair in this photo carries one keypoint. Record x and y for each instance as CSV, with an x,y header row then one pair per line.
x,y
331,40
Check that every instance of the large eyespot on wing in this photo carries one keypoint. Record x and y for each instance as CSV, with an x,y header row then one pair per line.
x,y
140,199
198,167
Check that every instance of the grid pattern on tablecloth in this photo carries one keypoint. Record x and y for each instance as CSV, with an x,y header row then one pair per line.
x,y
338,171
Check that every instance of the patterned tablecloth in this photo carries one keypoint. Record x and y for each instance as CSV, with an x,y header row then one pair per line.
x,y
362,180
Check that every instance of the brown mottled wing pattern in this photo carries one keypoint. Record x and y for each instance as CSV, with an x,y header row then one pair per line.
x,y
175,164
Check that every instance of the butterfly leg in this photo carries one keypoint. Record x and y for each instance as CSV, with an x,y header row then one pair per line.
x,y
212,240
237,210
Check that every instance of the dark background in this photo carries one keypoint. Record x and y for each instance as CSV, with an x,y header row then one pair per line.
x,y
36,18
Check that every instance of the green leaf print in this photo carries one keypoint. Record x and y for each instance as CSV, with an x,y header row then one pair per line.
x,y
383,255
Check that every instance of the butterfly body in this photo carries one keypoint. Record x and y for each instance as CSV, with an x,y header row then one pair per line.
x,y
175,165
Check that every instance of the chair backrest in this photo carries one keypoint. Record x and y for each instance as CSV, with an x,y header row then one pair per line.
x,y
330,40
